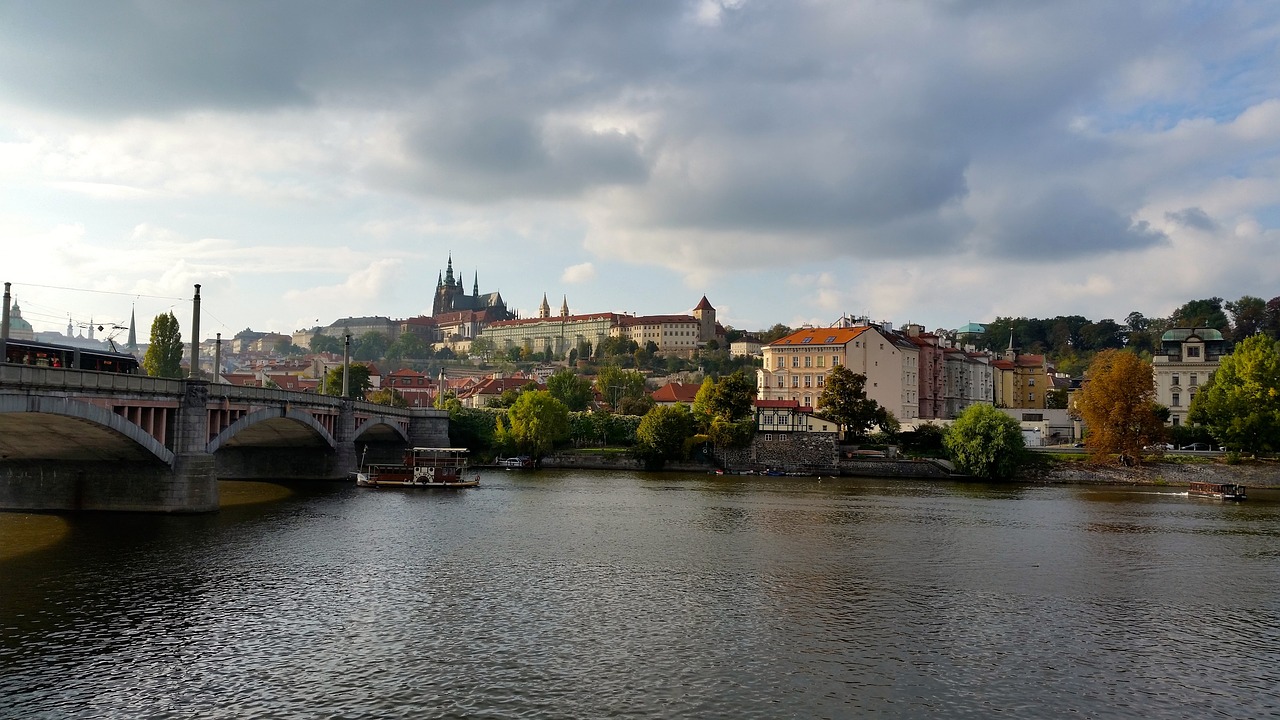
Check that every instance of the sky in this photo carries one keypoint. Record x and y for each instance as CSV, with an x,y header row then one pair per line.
x,y
927,161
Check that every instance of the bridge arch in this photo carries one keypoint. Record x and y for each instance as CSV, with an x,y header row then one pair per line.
x,y
85,413
266,415
379,425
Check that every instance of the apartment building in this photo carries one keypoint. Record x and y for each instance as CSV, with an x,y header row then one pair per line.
x,y
1187,357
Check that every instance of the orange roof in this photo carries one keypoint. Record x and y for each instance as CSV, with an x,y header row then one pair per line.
x,y
820,336
676,392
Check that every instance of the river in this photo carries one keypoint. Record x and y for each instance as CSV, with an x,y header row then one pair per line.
x,y
572,594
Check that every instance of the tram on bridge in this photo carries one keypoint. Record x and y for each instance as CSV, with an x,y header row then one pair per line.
x,y
30,352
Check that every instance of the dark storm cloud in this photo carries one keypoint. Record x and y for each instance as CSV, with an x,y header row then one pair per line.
x,y
1067,221
1192,217
862,125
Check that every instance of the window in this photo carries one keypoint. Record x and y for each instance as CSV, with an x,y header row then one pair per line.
x,y
1194,380
768,436
1175,421
1031,397
821,378
808,401
806,341
1193,351
1176,381
808,381
1177,400
795,361
1031,382
835,360
795,381
820,359
808,361
830,339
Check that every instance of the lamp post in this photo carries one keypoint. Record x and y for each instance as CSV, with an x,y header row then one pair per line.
x,y
346,365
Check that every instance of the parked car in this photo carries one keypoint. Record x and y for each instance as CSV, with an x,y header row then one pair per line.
x,y
1159,446
1198,446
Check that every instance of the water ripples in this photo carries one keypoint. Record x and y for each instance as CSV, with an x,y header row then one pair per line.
x,y
577,596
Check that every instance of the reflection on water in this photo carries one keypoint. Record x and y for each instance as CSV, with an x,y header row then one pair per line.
x,y
567,594
21,533
244,492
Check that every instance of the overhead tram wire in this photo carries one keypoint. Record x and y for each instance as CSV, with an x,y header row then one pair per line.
x,y
100,292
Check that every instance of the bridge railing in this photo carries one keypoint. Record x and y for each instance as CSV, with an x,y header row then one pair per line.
x,y
64,380
245,393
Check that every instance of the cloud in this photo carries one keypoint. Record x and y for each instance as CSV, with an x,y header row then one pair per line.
x,y
580,273
1192,218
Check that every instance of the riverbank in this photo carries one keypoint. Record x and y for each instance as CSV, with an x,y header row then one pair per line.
x,y
1257,473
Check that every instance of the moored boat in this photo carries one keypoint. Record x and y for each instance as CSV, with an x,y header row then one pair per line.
x,y
422,467
1218,491
515,463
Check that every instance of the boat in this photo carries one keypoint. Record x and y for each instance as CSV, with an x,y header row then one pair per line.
x,y
422,467
515,463
1217,491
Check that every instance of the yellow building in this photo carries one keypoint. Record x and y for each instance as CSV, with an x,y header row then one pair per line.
x,y
796,366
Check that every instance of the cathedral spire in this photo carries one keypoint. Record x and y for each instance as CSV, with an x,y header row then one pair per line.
x,y
475,286
544,310
448,273
564,306
133,334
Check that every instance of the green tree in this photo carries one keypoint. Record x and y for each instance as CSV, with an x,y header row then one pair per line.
x,y
844,401
1248,317
321,343
164,354
482,347
662,432
1240,404
616,384
1202,313
985,442
776,332
538,422
373,346
571,389
387,396
360,381
1117,404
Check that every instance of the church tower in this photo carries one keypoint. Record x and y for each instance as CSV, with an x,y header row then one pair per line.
x,y
564,306
133,333
544,310
706,317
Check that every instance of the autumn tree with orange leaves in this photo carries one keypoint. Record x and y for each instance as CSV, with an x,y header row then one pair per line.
x,y
1117,404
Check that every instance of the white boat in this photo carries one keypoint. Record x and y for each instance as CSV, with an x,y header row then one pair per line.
x,y
514,463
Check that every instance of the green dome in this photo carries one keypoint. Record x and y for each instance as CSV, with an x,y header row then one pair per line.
x,y
1182,334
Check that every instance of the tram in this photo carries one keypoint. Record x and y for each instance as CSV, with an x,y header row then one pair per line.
x,y
30,352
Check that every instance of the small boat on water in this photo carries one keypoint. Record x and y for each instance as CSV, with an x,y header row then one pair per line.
x,y
423,468
1217,491
515,463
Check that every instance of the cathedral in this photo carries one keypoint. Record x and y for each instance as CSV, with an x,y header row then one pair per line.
x,y
452,297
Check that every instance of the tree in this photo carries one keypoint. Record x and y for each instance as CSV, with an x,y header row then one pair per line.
x,y
387,396
1240,404
1248,317
1202,313
844,401
538,422
616,384
373,346
1117,404
164,354
663,430
571,389
321,343
985,442
1056,399
360,382
776,332
729,399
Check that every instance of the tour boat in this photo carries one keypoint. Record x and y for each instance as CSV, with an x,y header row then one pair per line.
x,y
1218,491
422,467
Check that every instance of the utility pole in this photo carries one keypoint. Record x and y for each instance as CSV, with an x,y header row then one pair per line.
x,y
4,326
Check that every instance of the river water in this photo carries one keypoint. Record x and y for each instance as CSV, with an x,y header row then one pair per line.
x,y
561,594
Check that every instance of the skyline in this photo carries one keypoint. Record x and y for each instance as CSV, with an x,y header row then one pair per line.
x,y
931,162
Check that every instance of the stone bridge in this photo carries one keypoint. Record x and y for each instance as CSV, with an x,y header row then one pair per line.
x,y
77,440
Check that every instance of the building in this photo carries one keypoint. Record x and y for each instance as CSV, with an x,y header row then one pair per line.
x,y
746,346
676,393
789,416
796,366
1185,360
452,297
1022,381
968,379
930,373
